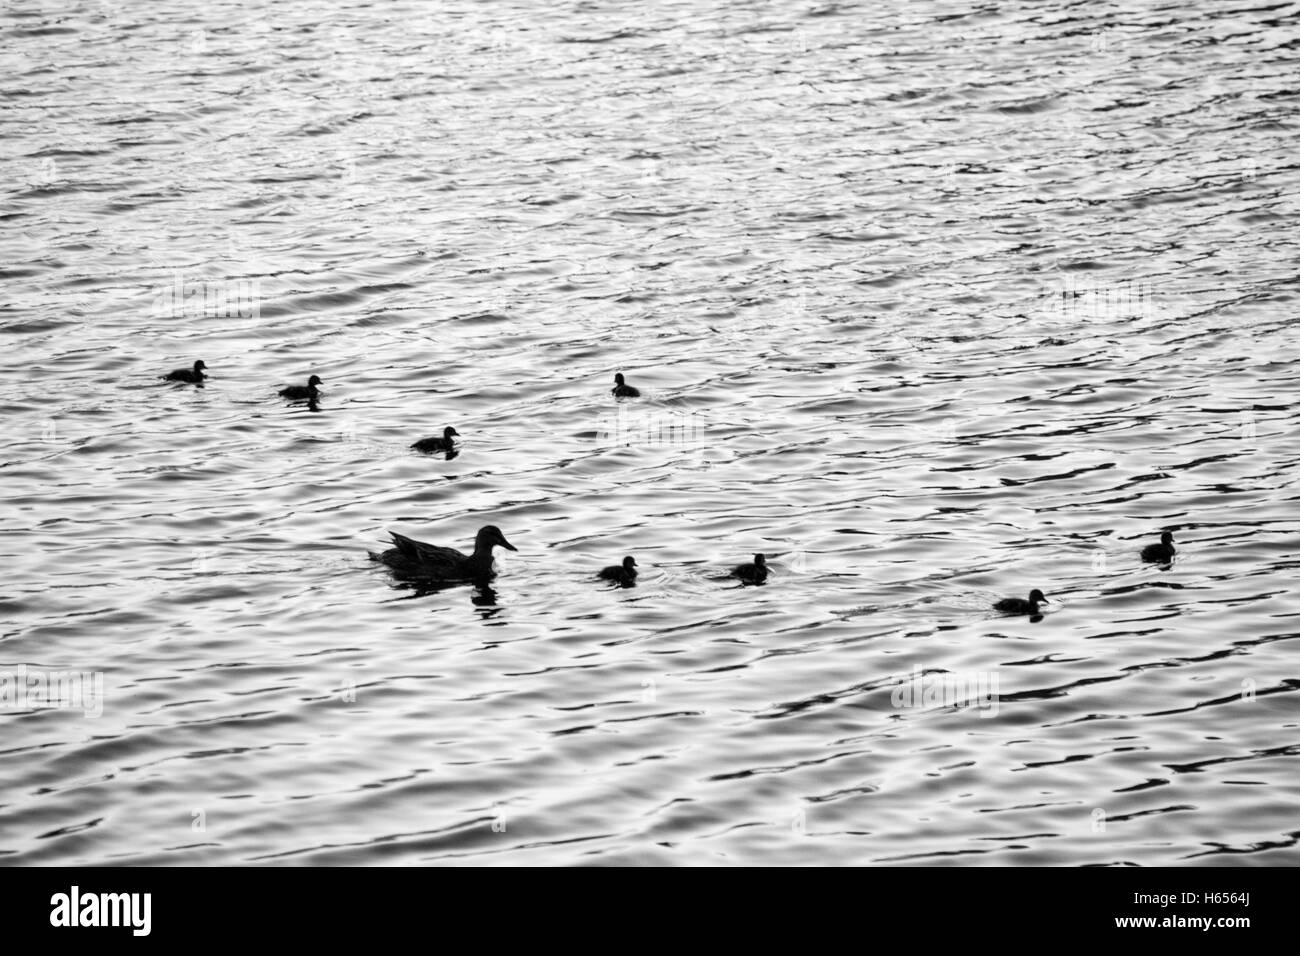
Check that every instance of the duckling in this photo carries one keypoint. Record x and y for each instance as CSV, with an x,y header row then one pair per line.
x,y
300,392
193,376
437,444
1019,606
755,573
428,562
624,574
1161,553
623,390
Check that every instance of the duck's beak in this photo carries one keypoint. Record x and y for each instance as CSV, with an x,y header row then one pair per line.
x,y
501,540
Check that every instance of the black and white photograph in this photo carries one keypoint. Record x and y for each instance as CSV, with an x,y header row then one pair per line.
x,y
680,434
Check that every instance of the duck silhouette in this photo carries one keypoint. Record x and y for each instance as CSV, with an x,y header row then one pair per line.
x,y
755,573
623,574
193,376
444,443
1021,606
308,392
429,562
1161,553
622,389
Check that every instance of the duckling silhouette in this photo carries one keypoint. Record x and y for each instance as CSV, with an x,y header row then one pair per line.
x,y
1161,553
1021,606
428,562
301,392
622,389
193,376
755,573
623,574
438,444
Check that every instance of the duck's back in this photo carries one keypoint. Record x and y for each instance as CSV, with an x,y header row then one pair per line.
x,y
416,556
419,551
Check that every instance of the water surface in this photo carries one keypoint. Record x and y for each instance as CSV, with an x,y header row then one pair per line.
x,y
930,303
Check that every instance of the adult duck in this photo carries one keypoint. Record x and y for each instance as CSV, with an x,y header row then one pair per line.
x,y
624,574
429,562
444,443
1021,606
300,392
194,376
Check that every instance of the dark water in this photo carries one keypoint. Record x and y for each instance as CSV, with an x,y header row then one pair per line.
x,y
930,303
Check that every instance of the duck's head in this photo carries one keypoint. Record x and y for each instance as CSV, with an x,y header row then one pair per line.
x,y
760,560
618,378
1036,597
1167,538
200,365
489,536
314,381
629,563
448,432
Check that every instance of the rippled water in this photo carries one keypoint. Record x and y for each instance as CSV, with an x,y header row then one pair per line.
x,y
933,304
